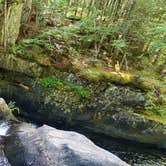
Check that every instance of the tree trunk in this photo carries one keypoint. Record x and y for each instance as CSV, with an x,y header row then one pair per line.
x,y
10,18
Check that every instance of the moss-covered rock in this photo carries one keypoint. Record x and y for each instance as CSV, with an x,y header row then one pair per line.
x,y
11,63
112,110
133,126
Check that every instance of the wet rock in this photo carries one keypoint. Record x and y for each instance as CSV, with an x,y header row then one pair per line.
x,y
3,129
3,160
132,126
3,109
47,146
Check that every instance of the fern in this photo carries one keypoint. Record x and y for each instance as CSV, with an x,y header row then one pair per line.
x,y
54,83
13,108
119,44
158,45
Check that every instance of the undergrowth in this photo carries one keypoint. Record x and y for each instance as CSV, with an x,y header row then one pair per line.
x,y
25,46
155,107
54,83
13,108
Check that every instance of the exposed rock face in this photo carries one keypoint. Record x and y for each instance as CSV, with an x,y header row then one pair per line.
x,y
47,146
8,62
112,109
134,127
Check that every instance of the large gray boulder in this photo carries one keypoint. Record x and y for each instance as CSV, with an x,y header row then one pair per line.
x,y
47,146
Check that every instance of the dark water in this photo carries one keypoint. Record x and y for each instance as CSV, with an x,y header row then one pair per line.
x,y
134,153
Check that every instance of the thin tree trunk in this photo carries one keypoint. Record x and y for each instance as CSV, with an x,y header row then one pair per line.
x,y
5,25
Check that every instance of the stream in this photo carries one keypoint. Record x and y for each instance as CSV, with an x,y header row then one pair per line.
x,y
133,153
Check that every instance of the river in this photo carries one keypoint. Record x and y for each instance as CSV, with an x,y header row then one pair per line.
x,y
133,153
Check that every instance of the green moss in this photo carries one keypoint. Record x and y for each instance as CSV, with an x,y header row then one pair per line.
x,y
143,83
155,101
100,74
155,108
158,114
54,83
51,82
19,50
28,47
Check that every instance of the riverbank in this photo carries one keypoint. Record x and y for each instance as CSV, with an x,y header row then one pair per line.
x,y
26,144
68,99
133,153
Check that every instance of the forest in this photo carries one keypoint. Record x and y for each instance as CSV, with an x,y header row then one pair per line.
x,y
82,82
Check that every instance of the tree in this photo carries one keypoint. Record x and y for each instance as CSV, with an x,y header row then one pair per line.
x,y
10,18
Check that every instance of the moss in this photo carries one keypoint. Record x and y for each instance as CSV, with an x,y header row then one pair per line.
x,y
158,114
30,48
155,108
15,64
54,83
143,83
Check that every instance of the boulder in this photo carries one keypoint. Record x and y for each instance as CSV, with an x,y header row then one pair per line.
x,y
3,129
3,159
8,62
3,109
47,146
132,126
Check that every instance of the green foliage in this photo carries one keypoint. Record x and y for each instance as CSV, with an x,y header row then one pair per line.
x,y
78,89
13,108
158,45
19,50
156,107
90,31
24,47
154,101
158,35
51,82
55,5
119,44
158,115
123,31
50,8
39,42
54,83
159,30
